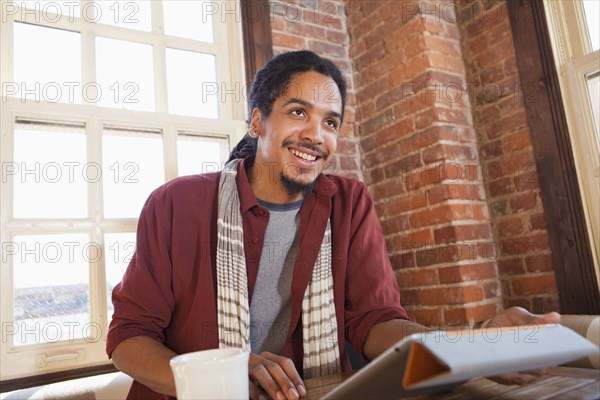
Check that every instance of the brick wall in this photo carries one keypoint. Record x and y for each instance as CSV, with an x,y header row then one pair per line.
x,y
321,27
421,160
505,149
437,130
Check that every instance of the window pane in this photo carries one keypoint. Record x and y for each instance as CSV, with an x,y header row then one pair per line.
x,y
133,168
125,75
201,154
118,248
51,283
591,9
593,85
191,84
191,19
124,13
50,171
59,52
50,8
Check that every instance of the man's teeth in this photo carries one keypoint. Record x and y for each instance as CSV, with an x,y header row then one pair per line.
x,y
305,156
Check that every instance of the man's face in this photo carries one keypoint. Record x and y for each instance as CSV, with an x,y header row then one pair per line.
x,y
300,135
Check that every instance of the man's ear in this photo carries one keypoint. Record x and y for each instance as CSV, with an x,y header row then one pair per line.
x,y
256,121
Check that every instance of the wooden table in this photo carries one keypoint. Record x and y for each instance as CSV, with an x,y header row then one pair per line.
x,y
559,383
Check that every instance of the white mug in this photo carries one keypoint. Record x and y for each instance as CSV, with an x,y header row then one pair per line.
x,y
212,374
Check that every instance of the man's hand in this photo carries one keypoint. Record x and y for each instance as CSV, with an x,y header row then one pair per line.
x,y
517,316
273,376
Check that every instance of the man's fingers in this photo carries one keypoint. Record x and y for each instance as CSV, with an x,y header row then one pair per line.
x,y
255,392
272,378
550,318
290,370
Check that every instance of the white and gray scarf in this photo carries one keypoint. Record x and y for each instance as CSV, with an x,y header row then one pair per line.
x,y
319,324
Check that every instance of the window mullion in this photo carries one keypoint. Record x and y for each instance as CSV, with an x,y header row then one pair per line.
x,y
88,62
170,151
159,54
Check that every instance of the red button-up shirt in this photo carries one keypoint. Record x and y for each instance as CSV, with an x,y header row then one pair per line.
x,y
169,290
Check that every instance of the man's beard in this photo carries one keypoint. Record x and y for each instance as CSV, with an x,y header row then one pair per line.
x,y
293,187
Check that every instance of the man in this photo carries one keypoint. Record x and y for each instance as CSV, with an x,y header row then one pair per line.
x,y
270,255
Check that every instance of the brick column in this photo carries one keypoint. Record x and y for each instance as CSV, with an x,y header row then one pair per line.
x,y
510,174
420,157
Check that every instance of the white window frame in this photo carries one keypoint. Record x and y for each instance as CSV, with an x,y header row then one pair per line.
x,y
574,60
27,360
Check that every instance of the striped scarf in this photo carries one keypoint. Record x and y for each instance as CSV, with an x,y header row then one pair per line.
x,y
319,324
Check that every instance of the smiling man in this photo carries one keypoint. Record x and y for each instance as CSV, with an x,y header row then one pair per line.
x,y
302,250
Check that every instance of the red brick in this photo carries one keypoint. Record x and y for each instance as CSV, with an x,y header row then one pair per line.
x,y
509,227
439,215
348,163
324,17
472,314
511,266
442,45
371,90
539,263
407,71
403,166
425,316
491,289
395,224
523,202
469,272
327,49
337,37
517,140
417,277
413,239
542,304
387,188
445,192
527,180
302,29
450,234
288,41
450,295
533,285
446,63
537,222
371,55
524,303
449,152
501,187
403,260
399,129
443,255
410,201
410,297
346,146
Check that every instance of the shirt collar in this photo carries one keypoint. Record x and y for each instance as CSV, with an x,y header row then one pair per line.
x,y
323,186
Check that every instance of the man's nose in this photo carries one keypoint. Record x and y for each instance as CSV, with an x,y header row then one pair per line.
x,y
313,132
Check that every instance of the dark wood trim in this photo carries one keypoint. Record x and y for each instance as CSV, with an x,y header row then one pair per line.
x,y
53,377
256,28
559,189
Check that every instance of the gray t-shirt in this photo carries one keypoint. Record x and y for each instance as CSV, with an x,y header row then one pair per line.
x,y
270,305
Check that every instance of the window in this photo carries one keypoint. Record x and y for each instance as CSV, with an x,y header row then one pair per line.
x,y
575,35
102,102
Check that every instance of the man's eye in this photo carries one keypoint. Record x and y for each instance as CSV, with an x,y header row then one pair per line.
x,y
298,112
332,123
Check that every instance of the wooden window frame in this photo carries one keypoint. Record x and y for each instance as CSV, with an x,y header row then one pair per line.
x,y
563,210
